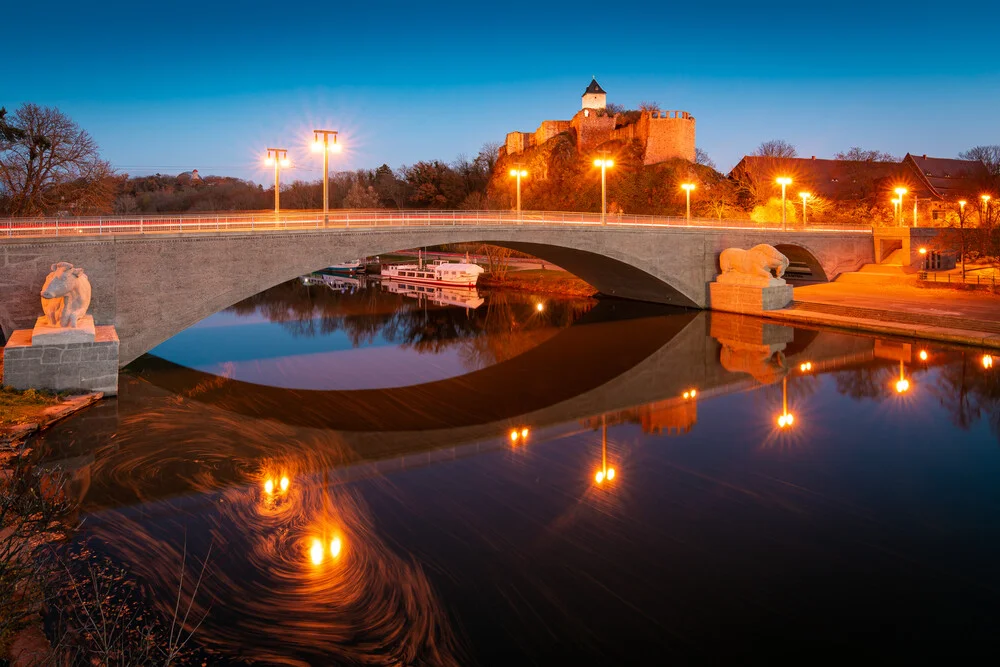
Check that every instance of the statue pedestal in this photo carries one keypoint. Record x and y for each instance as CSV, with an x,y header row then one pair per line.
x,y
46,334
79,359
749,298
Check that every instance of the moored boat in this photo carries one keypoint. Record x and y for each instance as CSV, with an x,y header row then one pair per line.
x,y
351,266
455,274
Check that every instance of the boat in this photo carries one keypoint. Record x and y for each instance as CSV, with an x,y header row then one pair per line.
x,y
352,266
462,297
439,272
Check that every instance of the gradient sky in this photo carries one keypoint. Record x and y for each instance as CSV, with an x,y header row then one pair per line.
x,y
167,87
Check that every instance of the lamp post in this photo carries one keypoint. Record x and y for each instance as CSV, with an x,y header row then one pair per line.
x,y
326,147
900,192
688,187
518,173
985,210
279,158
784,182
915,200
805,196
961,232
604,163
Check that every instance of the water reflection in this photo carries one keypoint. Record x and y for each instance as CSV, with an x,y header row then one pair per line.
x,y
472,519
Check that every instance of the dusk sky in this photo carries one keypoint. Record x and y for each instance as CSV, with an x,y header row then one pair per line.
x,y
167,88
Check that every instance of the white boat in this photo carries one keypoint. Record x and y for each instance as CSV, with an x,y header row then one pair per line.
x,y
443,273
463,297
351,266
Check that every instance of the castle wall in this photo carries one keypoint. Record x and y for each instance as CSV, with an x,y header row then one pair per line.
x,y
518,142
549,129
591,129
670,134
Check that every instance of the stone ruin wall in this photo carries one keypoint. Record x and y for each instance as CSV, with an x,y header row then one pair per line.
x,y
591,131
670,134
549,129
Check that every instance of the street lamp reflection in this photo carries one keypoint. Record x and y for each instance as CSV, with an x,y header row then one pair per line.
x,y
902,385
605,473
987,361
923,355
785,419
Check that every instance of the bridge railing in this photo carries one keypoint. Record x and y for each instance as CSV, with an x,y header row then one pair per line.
x,y
196,223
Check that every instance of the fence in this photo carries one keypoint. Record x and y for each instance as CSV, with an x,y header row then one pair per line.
x,y
958,279
365,219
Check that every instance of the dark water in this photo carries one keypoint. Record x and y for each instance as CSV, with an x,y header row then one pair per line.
x,y
634,523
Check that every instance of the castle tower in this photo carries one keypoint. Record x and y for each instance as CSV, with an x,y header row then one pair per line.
x,y
594,97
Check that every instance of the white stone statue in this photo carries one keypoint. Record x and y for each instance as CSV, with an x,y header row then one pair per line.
x,y
65,295
753,266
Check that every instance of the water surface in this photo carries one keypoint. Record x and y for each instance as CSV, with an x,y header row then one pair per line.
x,y
592,482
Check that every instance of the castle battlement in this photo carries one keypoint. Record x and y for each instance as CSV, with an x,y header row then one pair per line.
x,y
665,135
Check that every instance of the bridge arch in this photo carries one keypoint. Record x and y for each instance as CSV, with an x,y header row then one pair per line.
x,y
801,256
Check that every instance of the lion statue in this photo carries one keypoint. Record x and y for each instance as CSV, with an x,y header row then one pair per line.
x,y
757,261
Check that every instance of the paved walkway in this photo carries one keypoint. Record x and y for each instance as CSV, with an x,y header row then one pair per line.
x,y
971,318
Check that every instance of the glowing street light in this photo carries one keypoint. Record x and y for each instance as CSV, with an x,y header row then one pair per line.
x,y
985,210
987,361
923,355
518,173
688,187
784,182
325,146
805,366
539,306
805,197
900,192
279,158
604,163
785,419
961,224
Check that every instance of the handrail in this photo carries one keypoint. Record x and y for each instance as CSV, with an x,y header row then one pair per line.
x,y
212,222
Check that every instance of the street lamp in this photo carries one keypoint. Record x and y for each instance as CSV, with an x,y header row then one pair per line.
x,y
604,163
784,182
984,211
805,196
279,158
900,192
325,146
688,187
518,173
961,227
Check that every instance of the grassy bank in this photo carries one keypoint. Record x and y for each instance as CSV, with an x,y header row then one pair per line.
x,y
23,407
541,281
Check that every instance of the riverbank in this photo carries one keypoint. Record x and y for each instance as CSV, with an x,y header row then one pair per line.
x,y
541,281
24,413
967,318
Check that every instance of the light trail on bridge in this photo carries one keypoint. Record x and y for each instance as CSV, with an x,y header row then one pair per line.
x,y
203,223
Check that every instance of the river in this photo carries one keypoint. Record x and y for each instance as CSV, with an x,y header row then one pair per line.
x,y
383,478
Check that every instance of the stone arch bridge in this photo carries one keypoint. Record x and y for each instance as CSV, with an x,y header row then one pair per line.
x,y
154,285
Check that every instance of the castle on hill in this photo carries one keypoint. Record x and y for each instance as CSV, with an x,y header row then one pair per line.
x,y
664,135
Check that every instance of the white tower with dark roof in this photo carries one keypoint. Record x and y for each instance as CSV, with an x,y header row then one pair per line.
x,y
594,97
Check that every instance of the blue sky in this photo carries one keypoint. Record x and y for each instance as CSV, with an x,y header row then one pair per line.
x,y
171,87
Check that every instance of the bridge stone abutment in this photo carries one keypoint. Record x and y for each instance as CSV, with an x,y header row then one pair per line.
x,y
154,286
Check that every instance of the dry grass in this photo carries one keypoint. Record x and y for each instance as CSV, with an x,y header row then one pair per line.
x,y
23,407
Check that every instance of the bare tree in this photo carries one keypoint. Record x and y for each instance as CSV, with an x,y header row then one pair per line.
x,y
988,155
701,157
47,164
776,148
360,196
858,154
649,106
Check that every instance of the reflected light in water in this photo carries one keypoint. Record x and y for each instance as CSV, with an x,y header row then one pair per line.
x,y
316,552
690,393
806,366
269,486
785,419
335,546
284,484
987,361
524,432
923,355
902,385
514,435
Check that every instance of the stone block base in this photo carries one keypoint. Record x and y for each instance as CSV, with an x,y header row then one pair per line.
x,y
86,366
46,334
748,298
